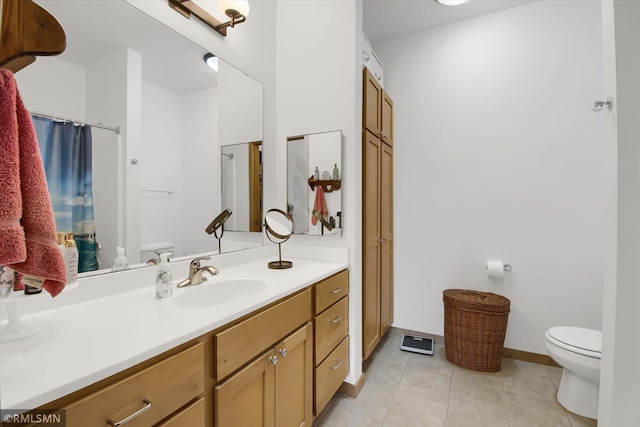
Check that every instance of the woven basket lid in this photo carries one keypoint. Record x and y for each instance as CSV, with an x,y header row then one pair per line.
x,y
476,300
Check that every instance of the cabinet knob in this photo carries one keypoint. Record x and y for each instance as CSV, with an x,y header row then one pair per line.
x,y
284,352
337,319
273,360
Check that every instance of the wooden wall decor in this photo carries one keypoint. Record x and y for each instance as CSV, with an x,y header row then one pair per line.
x,y
26,31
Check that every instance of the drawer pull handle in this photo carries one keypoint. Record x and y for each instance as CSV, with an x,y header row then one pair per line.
x,y
333,368
336,290
337,319
132,416
284,352
273,360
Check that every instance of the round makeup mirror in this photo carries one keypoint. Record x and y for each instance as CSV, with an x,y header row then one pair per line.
x,y
218,224
278,228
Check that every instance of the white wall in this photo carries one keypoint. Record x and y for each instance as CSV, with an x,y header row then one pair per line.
x,y
319,89
620,369
498,156
235,196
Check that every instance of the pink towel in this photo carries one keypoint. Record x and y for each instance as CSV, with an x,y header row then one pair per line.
x,y
319,206
28,241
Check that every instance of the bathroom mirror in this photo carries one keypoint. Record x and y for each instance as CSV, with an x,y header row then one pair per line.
x,y
158,182
241,167
314,180
278,228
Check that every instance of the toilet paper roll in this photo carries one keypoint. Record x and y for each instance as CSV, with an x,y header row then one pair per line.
x,y
495,268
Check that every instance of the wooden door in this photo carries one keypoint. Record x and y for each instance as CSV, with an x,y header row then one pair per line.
x,y
294,379
372,97
255,187
386,233
386,120
247,398
371,152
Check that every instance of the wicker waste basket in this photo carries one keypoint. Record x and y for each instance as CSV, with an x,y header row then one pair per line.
x,y
475,324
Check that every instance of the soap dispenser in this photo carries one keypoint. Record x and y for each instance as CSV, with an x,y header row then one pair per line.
x,y
121,261
164,287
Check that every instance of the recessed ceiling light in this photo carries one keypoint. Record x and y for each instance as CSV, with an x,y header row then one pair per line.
x,y
211,60
451,2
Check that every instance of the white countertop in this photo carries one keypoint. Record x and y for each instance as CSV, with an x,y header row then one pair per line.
x,y
87,339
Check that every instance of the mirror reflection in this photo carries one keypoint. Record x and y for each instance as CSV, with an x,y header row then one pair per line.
x,y
156,184
314,178
241,166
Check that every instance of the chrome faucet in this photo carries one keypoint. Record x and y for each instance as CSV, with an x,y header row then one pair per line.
x,y
196,273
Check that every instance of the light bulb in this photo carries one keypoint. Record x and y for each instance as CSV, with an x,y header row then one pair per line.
x,y
451,2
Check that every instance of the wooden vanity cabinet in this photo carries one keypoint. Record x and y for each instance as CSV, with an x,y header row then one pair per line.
x,y
331,337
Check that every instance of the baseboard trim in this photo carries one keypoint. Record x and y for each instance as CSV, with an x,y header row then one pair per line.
x,y
509,353
527,356
352,390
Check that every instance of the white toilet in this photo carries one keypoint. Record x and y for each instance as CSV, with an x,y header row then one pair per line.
x,y
577,350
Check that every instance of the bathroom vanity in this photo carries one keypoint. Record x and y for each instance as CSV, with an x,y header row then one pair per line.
x,y
271,349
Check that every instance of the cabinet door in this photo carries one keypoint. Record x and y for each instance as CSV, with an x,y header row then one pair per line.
x,y
371,243
247,398
386,246
386,121
372,97
294,379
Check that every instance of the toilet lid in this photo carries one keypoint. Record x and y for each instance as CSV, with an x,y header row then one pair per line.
x,y
579,340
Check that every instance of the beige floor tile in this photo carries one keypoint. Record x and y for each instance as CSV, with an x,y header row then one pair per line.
x,y
530,383
436,364
578,421
410,410
343,417
479,397
373,401
459,417
511,366
384,373
485,378
528,411
425,384
391,353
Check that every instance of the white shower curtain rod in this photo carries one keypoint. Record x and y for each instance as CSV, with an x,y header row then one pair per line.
x,y
80,122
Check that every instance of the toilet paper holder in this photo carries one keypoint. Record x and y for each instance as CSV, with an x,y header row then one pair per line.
x,y
506,267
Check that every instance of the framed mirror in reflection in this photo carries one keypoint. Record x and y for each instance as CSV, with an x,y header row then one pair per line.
x,y
314,180
156,184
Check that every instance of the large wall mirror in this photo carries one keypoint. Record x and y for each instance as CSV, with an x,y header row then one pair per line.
x,y
158,183
314,181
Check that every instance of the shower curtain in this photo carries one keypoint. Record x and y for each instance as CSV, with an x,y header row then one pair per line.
x,y
66,153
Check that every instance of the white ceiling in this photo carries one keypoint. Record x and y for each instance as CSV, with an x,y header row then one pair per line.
x,y
387,19
99,29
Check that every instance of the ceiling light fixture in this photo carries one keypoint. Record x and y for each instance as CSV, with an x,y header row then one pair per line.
x,y
236,10
211,60
451,2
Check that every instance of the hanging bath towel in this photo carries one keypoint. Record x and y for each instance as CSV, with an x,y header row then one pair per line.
x,y
27,229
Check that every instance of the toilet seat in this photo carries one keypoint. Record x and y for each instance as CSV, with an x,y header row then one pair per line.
x,y
587,342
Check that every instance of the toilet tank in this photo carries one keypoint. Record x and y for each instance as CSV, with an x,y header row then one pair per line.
x,y
150,250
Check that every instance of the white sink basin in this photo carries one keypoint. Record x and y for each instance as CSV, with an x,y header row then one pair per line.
x,y
220,289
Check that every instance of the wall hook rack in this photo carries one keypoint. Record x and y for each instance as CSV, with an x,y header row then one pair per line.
x,y
599,105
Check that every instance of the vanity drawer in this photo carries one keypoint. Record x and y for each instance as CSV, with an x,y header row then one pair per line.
x,y
331,290
167,386
330,375
192,415
330,328
239,344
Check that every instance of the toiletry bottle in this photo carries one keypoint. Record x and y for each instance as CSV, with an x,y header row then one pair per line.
x,y
121,261
164,287
63,250
336,174
316,174
71,258
7,276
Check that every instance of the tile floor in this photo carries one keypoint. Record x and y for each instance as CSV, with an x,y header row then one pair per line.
x,y
408,389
